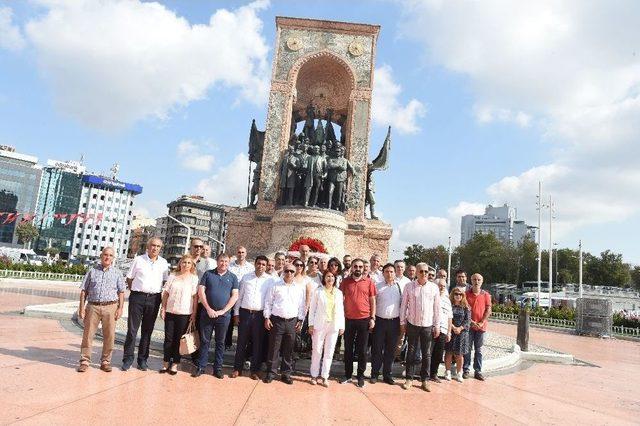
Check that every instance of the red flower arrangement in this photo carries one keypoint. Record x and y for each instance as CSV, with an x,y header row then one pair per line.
x,y
314,244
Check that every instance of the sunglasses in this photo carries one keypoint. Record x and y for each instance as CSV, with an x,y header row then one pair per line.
x,y
457,294
197,246
422,271
357,267
312,263
298,265
289,271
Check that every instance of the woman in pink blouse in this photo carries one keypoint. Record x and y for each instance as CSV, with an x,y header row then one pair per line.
x,y
179,303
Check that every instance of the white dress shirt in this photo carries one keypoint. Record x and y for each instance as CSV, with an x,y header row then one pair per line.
x,y
253,291
402,281
205,264
446,313
285,300
388,300
148,275
240,270
376,276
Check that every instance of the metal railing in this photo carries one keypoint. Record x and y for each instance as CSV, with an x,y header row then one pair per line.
x,y
34,275
562,323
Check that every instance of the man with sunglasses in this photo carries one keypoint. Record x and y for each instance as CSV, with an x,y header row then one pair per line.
x,y
284,311
203,264
360,312
420,320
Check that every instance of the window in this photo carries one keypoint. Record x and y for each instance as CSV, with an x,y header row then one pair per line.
x,y
94,247
79,235
97,228
104,228
95,237
84,204
102,197
94,196
77,246
104,238
81,225
113,229
110,239
87,237
86,246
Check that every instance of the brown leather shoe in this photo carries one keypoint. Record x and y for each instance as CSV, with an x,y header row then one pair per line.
x,y
235,374
254,376
425,386
106,367
82,368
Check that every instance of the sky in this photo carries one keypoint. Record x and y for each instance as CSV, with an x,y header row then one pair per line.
x,y
485,100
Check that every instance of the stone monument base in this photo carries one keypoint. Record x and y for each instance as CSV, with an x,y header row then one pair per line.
x,y
261,233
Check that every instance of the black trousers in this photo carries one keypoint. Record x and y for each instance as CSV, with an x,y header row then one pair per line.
x,y
419,337
250,336
228,341
143,309
356,332
281,337
385,340
174,327
437,350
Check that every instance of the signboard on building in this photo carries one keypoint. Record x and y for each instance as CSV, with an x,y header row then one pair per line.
x,y
110,183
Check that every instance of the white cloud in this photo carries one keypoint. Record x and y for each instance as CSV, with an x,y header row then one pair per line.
x,y
386,108
229,184
10,35
149,208
191,157
570,68
112,63
433,230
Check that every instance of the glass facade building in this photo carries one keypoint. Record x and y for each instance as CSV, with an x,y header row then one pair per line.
x,y
60,192
19,183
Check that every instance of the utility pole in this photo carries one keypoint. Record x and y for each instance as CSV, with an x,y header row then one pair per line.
x,y
539,207
449,266
186,245
580,267
551,211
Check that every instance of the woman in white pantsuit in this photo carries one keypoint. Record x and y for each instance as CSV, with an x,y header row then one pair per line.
x,y
326,323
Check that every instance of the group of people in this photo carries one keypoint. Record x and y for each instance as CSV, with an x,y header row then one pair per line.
x,y
274,301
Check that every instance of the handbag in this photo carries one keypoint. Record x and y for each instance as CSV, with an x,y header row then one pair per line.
x,y
190,341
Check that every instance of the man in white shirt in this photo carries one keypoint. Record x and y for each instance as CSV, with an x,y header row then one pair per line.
x,y
305,252
400,267
145,279
249,317
280,259
284,311
387,329
375,273
239,267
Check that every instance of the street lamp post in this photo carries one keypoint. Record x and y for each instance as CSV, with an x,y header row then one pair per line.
x,y
539,207
223,245
186,246
580,268
551,211
449,266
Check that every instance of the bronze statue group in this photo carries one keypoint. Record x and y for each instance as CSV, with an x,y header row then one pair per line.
x,y
286,307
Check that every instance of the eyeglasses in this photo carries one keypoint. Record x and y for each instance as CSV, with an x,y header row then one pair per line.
x,y
312,263
198,247
298,265
289,271
457,294
357,267
422,271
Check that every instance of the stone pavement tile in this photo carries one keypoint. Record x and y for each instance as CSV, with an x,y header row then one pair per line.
x,y
415,406
11,302
151,398
532,405
304,404
565,384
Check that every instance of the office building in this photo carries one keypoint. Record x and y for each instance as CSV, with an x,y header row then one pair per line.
x,y
206,220
19,182
58,203
499,221
106,210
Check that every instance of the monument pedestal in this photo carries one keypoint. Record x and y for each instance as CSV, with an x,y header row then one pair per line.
x,y
266,234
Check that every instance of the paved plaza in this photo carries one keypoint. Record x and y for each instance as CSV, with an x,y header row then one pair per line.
x,y
39,385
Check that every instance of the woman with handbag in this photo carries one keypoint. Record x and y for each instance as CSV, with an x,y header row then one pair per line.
x,y
326,322
179,304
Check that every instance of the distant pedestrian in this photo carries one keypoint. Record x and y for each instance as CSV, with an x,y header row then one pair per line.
x,y
103,289
145,278
458,345
178,310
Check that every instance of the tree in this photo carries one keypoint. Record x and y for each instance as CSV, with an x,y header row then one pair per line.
x,y
437,257
527,261
26,233
488,256
608,270
635,277
415,254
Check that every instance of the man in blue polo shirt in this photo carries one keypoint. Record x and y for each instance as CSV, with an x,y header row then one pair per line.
x,y
218,292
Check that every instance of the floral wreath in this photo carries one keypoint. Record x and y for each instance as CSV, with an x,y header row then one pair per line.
x,y
314,244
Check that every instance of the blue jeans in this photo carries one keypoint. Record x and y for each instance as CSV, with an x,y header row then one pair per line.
x,y
207,328
476,340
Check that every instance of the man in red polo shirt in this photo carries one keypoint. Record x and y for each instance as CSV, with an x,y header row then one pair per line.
x,y
360,313
480,303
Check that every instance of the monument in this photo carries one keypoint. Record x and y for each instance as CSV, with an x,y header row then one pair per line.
x,y
310,179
